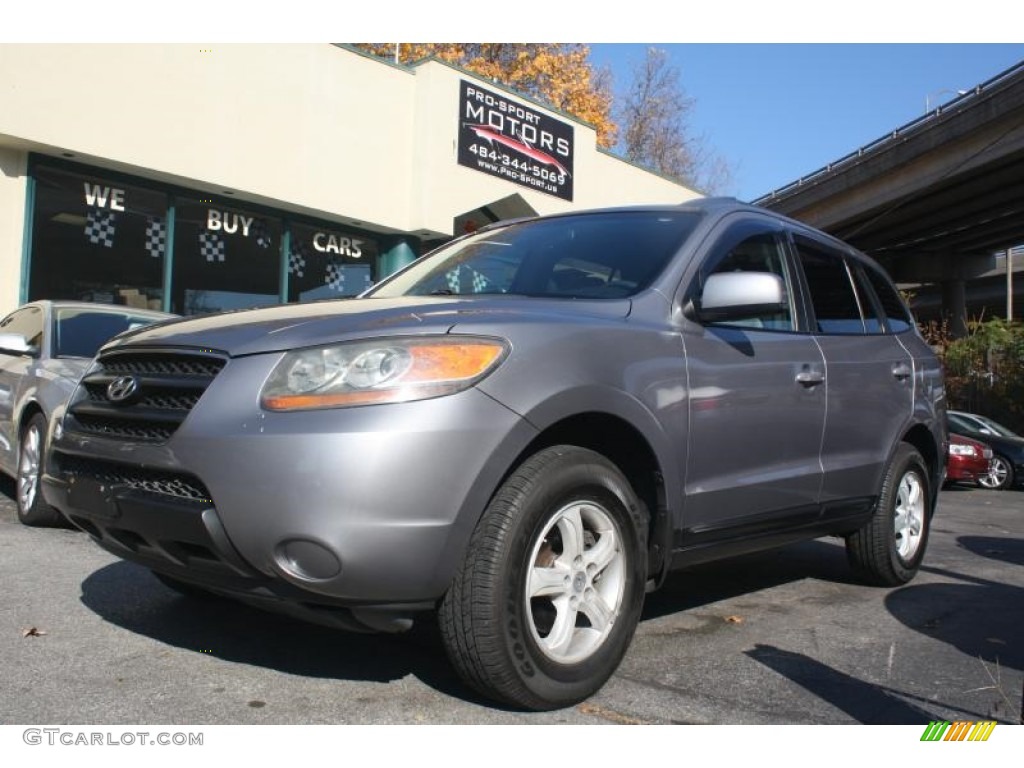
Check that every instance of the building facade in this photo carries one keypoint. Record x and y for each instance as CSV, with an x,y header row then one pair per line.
x,y
199,179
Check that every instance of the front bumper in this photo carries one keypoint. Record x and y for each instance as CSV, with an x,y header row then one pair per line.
x,y
962,470
359,508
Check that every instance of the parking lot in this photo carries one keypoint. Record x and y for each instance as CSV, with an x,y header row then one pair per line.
x,y
782,637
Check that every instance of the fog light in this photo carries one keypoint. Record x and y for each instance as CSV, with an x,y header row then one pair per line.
x,y
307,560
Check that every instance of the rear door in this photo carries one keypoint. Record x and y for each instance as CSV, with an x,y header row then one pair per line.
x,y
870,376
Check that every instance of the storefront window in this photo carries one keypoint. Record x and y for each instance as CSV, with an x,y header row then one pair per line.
x,y
329,264
224,258
95,239
99,239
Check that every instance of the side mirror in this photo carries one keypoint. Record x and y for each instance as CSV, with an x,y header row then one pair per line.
x,y
16,344
738,296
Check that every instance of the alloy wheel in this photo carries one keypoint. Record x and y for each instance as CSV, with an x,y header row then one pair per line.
x,y
908,520
576,582
28,467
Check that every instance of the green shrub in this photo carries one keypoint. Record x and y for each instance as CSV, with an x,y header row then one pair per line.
x,y
985,370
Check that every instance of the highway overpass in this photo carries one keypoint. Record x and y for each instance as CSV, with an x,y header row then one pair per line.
x,y
934,201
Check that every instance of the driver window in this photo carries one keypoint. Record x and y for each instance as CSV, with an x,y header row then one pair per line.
x,y
28,322
758,253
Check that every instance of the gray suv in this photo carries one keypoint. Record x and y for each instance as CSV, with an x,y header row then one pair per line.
x,y
523,431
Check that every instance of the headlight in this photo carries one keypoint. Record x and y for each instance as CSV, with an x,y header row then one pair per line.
x,y
379,371
955,449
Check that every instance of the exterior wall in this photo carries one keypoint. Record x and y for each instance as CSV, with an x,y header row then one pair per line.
x,y
306,128
13,186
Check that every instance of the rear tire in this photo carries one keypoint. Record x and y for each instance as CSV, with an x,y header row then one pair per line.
x,y
32,508
889,549
550,593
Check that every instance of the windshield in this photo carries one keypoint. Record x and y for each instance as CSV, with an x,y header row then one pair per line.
x,y
81,332
590,256
998,428
970,423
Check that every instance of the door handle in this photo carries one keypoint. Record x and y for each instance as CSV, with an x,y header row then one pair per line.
x,y
810,378
902,371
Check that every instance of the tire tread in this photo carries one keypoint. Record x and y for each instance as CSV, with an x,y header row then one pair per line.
x,y
469,621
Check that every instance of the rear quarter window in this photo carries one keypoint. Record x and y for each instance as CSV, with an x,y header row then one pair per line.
x,y
896,312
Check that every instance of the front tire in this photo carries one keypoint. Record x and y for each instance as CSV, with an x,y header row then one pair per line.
x,y
1000,474
550,593
889,549
32,508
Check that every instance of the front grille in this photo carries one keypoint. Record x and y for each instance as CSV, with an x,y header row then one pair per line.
x,y
161,363
126,430
176,484
168,386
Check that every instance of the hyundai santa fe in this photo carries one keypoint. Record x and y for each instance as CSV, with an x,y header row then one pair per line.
x,y
523,431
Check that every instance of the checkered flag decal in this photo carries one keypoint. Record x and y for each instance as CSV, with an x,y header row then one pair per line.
x,y
454,282
479,282
296,260
259,229
156,237
335,276
99,228
211,247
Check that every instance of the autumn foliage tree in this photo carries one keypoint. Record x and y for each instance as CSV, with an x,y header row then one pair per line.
x,y
559,74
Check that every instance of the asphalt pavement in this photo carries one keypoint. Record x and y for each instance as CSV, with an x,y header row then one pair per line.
x,y
781,637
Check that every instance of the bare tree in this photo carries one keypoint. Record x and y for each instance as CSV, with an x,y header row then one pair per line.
x,y
654,121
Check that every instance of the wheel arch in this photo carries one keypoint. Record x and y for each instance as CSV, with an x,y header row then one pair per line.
x,y
923,440
626,446
30,409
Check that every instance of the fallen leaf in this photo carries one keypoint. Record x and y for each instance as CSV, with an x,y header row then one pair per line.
x,y
33,632
734,619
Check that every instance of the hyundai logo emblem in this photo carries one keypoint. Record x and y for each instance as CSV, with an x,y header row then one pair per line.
x,y
122,388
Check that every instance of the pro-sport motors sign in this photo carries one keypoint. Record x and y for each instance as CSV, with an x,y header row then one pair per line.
x,y
503,138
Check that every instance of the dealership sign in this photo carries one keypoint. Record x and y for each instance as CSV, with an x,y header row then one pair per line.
x,y
503,138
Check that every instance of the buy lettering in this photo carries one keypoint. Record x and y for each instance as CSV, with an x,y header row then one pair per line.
x,y
228,222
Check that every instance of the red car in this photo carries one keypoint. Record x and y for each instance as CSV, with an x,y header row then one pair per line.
x,y
968,460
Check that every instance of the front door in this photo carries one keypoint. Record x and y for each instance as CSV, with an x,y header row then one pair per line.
x,y
757,405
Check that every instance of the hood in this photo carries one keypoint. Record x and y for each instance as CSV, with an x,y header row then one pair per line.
x,y
292,326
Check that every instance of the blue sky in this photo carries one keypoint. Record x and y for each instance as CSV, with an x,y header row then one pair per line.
x,y
776,112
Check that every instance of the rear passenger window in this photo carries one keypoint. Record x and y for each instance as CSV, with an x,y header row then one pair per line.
x,y
895,310
833,297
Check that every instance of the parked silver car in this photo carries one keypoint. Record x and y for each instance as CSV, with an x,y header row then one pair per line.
x,y
523,431
45,347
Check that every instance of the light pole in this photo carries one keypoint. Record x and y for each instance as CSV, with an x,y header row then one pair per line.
x,y
1009,284
928,98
